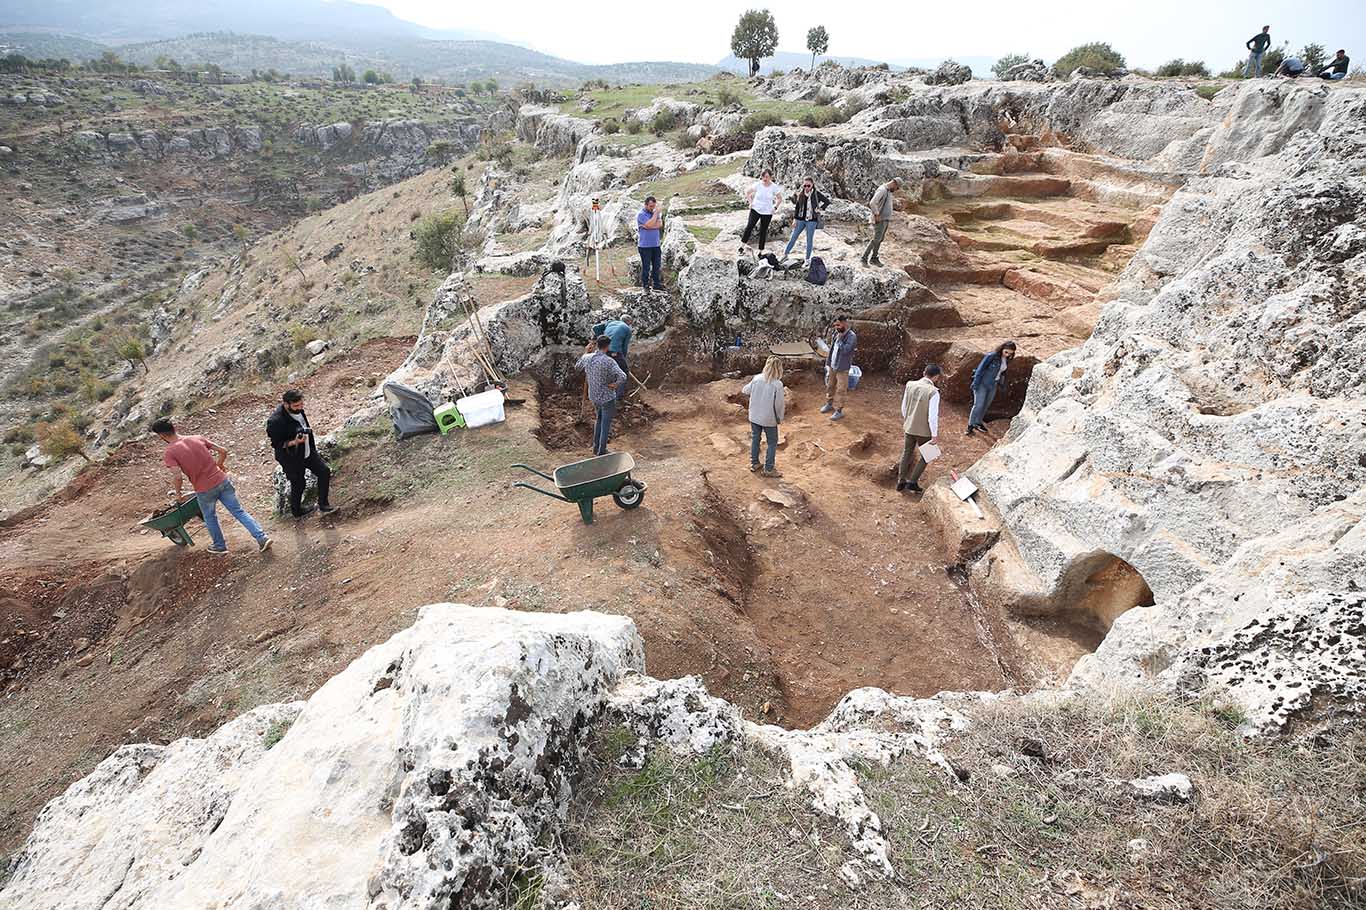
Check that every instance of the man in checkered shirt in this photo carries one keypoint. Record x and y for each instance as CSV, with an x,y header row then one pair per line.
x,y
604,377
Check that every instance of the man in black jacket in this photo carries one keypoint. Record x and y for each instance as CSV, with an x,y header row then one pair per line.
x,y
296,450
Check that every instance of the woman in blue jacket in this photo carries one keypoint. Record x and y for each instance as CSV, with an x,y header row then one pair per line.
x,y
986,379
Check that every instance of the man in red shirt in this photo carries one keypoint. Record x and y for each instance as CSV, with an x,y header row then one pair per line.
x,y
203,461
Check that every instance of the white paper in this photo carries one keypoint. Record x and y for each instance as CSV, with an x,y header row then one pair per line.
x,y
964,487
930,452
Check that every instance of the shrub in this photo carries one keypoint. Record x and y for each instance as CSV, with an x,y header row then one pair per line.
x,y
302,334
760,120
1313,56
438,239
1003,66
611,126
61,439
663,121
1097,55
726,97
823,116
683,142
634,126
1179,67
1272,59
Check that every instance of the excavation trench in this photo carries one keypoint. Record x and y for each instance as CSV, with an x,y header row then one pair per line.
x,y
845,582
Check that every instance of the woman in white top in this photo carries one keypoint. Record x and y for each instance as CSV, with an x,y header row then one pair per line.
x,y
766,403
764,198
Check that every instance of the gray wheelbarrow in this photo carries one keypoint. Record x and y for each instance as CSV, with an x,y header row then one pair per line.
x,y
584,481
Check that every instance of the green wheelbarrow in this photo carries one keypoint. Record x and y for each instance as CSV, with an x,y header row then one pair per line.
x,y
584,481
171,523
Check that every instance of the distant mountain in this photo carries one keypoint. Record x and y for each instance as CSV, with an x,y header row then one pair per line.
x,y
787,60
42,45
451,61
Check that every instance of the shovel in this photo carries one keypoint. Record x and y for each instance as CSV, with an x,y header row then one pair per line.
x,y
966,490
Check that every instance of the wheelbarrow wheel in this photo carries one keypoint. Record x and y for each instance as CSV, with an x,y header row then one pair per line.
x,y
629,496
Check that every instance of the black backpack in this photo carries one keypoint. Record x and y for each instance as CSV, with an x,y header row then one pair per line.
x,y
817,273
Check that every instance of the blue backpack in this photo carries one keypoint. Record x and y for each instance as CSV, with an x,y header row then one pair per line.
x,y
817,273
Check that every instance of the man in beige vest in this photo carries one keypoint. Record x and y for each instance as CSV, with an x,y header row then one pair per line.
x,y
920,408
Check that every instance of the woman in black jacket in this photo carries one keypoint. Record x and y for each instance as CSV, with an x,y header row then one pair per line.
x,y
810,203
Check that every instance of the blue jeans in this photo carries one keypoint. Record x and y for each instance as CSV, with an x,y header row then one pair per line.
x,y
1253,68
772,433
602,428
651,265
797,228
982,397
621,362
208,507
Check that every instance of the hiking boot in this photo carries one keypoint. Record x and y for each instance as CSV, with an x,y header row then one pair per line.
x,y
838,415
263,546
771,472
827,408
217,551
754,468
327,510
876,262
913,487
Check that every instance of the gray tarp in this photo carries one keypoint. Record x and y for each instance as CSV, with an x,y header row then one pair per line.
x,y
411,410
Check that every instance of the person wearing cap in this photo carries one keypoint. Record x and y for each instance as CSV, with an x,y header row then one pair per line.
x,y
920,416
619,332
881,204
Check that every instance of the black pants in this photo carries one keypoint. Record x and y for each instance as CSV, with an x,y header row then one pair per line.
x,y
294,473
762,221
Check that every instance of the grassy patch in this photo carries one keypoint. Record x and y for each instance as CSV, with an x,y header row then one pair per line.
x,y
275,733
1208,91
714,93
704,233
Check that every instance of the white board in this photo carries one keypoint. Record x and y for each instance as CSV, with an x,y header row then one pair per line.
x,y
929,452
964,488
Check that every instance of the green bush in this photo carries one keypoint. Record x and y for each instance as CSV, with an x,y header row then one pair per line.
x,y
1097,55
1004,65
726,97
683,142
611,126
634,126
663,121
823,116
760,120
1179,67
438,238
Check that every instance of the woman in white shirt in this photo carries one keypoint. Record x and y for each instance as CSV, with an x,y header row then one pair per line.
x,y
766,403
764,198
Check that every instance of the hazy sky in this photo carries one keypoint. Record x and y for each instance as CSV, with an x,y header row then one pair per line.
x,y
1147,32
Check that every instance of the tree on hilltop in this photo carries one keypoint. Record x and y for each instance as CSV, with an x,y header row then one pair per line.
x,y
1002,67
755,37
817,42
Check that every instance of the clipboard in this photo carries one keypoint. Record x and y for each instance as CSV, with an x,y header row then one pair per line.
x,y
930,452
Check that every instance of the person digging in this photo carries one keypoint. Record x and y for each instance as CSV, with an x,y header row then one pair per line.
x,y
296,451
205,463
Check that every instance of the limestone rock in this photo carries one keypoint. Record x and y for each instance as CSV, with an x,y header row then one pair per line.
x,y
1167,788
1030,71
949,73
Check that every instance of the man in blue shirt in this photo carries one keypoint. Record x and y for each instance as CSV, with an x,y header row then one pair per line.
x,y
604,378
618,332
649,222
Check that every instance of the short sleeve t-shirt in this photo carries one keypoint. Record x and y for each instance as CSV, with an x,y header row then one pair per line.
x,y
648,236
764,197
192,455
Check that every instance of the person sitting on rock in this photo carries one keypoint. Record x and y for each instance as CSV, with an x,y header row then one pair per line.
x,y
766,404
881,205
1291,68
920,415
205,463
843,341
649,222
810,202
619,330
764,198
296,450
986,379
1256,46
1337,67
604,377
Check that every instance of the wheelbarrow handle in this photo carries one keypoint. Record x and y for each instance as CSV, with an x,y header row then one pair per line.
x,y
536,472
528,486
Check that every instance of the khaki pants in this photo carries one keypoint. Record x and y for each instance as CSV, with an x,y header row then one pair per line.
x,y
913,443
837,388
879,231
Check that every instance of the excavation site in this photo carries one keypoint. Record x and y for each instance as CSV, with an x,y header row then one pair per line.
x,y
513,664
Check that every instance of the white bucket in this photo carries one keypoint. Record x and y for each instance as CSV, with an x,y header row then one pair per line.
x,y
482,409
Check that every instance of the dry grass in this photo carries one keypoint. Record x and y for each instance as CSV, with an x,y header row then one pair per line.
x,y
1274,823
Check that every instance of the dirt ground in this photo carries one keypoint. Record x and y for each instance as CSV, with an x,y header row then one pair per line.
x,y
109,634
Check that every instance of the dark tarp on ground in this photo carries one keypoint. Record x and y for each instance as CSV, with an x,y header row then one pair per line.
x,y
410,409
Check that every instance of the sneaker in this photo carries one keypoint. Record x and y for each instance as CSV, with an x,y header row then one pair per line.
x,y
305,511
827,408
900,486
327,510
971,430
217,551
264,545
838,415
754,468
913,487
876,262
771,472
